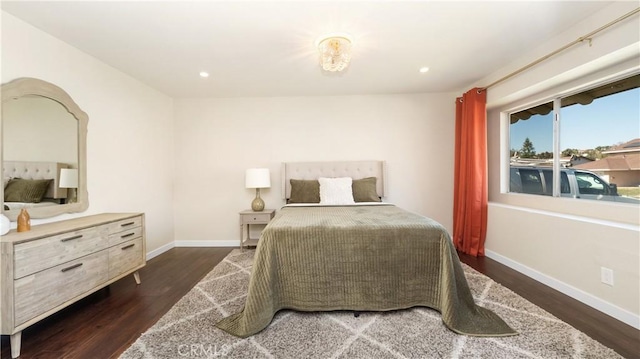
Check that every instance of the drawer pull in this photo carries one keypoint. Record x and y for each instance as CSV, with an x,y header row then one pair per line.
x,y
127,235
71,238
128,246
72,267
127,224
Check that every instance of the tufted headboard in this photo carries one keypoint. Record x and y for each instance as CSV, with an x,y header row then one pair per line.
x,y
37,170
315,170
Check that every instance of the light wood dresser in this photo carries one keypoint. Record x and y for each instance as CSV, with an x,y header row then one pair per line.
x,y
55,264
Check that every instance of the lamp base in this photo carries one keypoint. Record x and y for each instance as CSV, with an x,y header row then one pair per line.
x,y
257,205
73,196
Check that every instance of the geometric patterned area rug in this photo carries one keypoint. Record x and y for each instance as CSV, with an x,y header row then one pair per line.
x,y
188,330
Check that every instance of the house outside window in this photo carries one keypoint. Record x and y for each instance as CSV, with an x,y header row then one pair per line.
x,y
585,145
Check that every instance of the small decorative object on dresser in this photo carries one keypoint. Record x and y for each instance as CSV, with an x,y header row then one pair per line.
x,y
257,178
58,263
24,221
250,217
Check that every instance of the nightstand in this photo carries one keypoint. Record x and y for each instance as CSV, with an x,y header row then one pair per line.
x,y
249,217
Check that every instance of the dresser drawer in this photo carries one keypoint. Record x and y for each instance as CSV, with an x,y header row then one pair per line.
x,y
124,225
31,257
42,291
124,236
256,218
125,257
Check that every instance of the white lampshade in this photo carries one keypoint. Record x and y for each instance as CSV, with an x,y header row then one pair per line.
x,y
257,178
5,224
68,178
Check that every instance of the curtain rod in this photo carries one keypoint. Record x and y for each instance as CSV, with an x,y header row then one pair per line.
x,y
580,39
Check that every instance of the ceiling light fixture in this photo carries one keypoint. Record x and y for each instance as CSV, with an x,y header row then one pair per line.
x,y
335,51
204,74
424,69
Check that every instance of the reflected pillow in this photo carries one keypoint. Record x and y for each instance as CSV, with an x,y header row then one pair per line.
x,y
336,191
364,190
304,191
26,190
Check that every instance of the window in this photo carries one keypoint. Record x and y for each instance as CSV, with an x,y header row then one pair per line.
x,y
548,181
536,181
531,182
590,184
588,143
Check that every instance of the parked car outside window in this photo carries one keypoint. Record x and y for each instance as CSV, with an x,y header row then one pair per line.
x,y
573,183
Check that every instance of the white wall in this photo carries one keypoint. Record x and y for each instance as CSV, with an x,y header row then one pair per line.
x,y
130,140
218,139
564,242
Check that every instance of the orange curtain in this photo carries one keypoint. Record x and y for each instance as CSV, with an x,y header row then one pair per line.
x,y
470,176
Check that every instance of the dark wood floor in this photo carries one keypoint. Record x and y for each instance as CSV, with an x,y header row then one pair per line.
x,y
616,335
107,322
104,324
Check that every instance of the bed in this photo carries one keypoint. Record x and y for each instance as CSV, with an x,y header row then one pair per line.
x,y
361,256
40,187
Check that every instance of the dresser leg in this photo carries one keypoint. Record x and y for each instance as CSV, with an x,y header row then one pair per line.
x,y
136,276
15,340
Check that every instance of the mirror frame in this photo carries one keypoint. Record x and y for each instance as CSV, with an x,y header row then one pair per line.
x,y
26,86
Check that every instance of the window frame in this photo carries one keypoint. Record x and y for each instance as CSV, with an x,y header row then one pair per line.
x,y
505,142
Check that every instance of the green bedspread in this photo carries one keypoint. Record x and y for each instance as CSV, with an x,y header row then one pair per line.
x,y
361,258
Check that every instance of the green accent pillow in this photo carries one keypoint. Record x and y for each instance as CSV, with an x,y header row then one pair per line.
x,y
25,190
304,191
364,190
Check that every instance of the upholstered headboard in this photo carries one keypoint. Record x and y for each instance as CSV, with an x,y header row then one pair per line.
x,y
37,170
315,170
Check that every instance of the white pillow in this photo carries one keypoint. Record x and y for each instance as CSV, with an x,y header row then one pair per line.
x,y
336,191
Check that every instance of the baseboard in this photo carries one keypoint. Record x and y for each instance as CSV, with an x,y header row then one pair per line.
x,y
159,251
612,310
231,243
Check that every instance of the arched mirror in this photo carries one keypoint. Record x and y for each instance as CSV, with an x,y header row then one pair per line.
x,y
43,152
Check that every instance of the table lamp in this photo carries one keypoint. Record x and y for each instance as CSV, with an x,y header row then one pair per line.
x,y
257,178
69,179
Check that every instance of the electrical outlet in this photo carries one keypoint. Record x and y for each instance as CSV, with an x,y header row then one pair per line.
x,y
606,276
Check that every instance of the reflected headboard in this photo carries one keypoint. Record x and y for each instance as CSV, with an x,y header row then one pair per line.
x,y
315,170
37,170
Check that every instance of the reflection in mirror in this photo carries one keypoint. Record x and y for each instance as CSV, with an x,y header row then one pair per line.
x,y
43,142
36,128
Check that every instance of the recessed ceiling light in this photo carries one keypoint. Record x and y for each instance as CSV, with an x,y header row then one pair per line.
x,y
424,69
204,74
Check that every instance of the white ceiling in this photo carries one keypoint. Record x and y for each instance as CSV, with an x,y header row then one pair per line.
x,y
266,48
